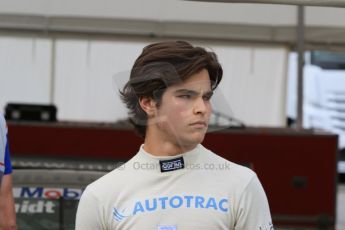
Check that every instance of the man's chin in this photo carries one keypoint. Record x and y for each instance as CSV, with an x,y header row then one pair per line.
x,y
197,140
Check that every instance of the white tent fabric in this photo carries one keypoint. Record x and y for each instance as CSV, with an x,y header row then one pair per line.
x,y
328,3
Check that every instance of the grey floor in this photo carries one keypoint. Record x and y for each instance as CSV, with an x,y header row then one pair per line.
x,y
341,208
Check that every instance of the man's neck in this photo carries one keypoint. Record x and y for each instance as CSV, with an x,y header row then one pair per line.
x,y
165,148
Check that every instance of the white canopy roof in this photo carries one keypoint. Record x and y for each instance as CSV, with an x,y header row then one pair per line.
x,y
224,21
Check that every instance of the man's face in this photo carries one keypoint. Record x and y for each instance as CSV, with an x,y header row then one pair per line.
x,y
184,112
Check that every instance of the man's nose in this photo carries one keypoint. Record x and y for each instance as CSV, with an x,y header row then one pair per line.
x,y
200,105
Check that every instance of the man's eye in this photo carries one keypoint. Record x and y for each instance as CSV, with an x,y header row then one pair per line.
x,y
207,98
185,96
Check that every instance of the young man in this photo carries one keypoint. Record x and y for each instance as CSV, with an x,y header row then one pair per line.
x,y
7,213
173,182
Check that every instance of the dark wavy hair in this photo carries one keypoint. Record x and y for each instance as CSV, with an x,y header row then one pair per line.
x,y
161,65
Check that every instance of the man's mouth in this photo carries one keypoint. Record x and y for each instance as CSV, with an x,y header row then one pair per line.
x,y
199,124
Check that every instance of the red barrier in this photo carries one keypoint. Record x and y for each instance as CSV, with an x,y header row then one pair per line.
x,y
297,169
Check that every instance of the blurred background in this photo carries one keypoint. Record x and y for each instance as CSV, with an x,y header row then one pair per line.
x,y
63,62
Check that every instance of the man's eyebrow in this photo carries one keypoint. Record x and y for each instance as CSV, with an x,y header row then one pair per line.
x,y
193,92
208,93
188,91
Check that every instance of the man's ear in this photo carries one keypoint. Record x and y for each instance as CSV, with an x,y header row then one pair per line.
x,y
148,105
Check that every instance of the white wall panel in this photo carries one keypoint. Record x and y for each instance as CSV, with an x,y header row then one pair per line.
x,y
88,77
254,84
25,66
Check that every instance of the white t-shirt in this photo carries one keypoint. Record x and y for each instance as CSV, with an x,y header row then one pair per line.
x,y
194,190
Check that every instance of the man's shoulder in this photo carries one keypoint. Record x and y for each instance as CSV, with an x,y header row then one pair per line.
x,y
229,168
